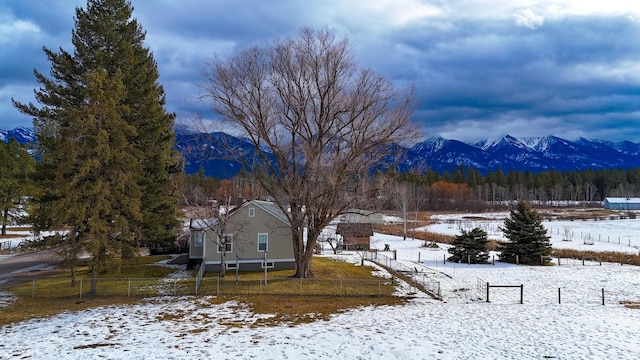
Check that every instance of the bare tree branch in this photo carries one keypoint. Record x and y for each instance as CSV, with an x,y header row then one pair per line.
x,y
318,122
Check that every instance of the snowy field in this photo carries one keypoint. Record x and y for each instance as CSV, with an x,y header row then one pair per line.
x,y
462,326
603,235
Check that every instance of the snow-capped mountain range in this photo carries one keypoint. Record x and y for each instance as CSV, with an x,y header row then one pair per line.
x,y
506,152
22,134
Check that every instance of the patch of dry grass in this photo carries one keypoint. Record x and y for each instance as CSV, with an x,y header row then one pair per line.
x,y
631,304
285,301
608,256
295,310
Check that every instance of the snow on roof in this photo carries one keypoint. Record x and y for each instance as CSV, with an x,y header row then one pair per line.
x,y
201,224
626,200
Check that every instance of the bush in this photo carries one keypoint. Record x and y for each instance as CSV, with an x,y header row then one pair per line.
x,y
470,247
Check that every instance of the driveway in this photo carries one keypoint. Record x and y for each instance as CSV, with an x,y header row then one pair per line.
x,y
22,266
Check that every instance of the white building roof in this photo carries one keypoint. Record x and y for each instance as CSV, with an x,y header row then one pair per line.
x,y
623,200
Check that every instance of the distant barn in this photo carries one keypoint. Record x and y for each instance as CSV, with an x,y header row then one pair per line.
x,y
622,203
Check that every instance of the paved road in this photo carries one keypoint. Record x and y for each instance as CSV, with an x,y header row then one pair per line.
x,y
15,265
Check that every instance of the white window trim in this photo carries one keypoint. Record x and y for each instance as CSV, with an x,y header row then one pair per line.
x,y
267,243
200,238
219,245
252,212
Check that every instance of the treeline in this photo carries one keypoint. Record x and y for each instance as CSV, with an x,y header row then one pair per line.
x,y
578,185
463,189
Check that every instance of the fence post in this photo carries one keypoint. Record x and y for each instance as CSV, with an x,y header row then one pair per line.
x,y
80,288
559,297
129,288
418,257
521,294
341,294
395,255
602,296
487,291
517,260
444,258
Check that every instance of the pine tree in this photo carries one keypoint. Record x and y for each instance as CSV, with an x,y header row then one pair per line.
x,y
470,246
528,239
103,116
16,168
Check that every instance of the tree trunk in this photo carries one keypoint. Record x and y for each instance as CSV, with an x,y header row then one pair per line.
x,y
5,219
93,290
73,276
303,267
222,264
303,255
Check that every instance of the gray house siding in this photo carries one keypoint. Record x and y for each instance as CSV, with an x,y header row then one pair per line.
x,y
255,227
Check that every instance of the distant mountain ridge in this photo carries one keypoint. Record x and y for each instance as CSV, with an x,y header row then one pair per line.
x,y
22,134
535,154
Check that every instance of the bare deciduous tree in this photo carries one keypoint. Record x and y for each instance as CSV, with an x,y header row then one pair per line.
x,y
402,200
318,122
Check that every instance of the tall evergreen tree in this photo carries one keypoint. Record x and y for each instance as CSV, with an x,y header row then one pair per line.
x,y
103,132
527,237
16,167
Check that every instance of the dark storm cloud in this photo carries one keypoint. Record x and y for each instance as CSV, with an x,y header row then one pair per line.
x,y
570,75
479,68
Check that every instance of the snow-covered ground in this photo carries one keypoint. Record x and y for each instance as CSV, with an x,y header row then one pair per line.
x,y
462,326
603,235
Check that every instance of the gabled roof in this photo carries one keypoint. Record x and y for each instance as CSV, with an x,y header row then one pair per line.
x,y
269,207
201,224
354,229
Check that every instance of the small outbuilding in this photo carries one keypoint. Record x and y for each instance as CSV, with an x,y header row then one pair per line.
x,y
622,203
355,236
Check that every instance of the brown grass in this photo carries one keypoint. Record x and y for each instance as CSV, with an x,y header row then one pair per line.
x,y
291,309
631,304
612,257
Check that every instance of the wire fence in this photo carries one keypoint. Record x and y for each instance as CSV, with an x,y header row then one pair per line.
x,y
418,276
548,295
6,245
228,286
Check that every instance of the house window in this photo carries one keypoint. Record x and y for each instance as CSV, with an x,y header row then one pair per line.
x,y
252,212
227,242
267,265
231,265
198,236
263,242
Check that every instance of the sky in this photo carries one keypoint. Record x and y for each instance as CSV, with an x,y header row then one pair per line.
x,y
480,68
